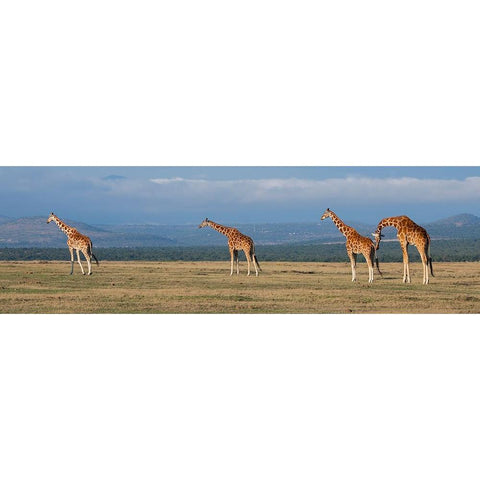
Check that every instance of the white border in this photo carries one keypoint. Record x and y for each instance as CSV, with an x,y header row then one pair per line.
x,y
264,83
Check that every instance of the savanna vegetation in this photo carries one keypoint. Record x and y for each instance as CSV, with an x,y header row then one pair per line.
x,y
206,287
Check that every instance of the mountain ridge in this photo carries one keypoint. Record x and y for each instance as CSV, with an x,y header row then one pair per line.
x,y
28,232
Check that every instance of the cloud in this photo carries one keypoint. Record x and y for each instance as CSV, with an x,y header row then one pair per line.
x,y
165,181
360,190
154,193
179,199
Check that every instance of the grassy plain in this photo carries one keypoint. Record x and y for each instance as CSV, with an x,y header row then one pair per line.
x,y
206,287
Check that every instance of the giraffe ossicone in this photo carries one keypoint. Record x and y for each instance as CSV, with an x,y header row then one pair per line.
x,y
355,244
236,241
75,241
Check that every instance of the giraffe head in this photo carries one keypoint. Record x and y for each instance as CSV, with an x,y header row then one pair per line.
x,y
326,214
378,236
51,217
205,223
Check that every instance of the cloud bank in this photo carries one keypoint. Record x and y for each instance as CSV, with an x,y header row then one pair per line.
x,y
120,199
360,190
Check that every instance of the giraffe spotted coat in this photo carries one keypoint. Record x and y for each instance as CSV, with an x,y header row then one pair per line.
x,y
408,233
355,244
236,241
75,241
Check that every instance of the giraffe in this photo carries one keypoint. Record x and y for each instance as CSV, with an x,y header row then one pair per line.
x,y
77,241
356,243
236,241
408,232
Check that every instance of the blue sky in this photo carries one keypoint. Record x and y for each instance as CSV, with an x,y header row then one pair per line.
x,y
233,195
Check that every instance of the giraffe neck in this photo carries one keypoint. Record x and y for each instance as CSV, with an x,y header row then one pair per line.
x,y
342,227
219,228
387,222
67,230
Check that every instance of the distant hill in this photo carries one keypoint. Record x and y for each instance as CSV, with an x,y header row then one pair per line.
x,y
463,226
461,220
30,232
35,232
265,233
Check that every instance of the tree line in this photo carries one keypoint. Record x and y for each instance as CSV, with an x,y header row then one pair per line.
x,y
464,250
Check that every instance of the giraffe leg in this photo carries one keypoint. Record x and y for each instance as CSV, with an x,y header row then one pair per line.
x,y
247,254
236,260
372,261
80,262
254,263
406,272
231,261
88,262
426,264
426,271
368,258
424,257
353,263
406,269
71,260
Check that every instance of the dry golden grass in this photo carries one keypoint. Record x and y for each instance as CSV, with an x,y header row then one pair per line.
x,y
206,287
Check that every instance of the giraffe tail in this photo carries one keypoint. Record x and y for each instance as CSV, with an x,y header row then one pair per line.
x,y
90,252
429,259
378,268
255,259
